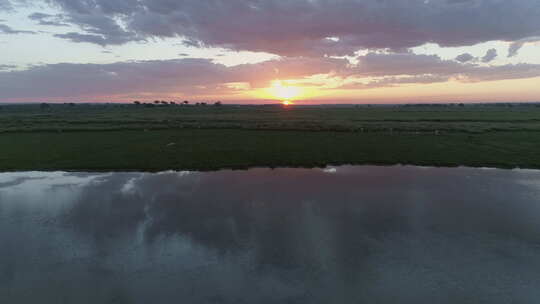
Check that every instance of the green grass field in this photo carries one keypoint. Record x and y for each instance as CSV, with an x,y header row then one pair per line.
x,y
129,137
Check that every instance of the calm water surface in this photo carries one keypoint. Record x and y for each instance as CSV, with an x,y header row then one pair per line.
x,y
339,235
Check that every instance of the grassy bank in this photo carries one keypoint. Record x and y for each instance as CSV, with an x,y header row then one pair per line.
x,y
114,138
214,149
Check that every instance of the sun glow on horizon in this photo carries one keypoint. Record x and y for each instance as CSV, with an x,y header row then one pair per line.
x,y
284,92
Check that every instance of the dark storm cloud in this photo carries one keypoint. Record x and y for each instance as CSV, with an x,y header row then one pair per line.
x,y
301,27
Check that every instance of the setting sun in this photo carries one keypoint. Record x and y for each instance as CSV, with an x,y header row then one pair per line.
x,y
285,92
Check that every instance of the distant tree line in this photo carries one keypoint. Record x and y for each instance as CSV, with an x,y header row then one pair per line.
x,y
163,103
486,104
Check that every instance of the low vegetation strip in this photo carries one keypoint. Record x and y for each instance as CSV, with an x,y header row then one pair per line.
x,y
218,149
130,137
76,118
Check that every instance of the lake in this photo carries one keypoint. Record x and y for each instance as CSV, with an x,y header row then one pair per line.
x,y
349,234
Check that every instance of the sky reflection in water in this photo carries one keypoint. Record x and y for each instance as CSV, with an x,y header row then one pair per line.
x,y
340,235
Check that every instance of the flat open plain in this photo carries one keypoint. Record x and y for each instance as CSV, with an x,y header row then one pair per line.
x,y
130,137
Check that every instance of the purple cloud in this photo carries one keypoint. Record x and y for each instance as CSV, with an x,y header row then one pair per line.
x,y
301,27
516,46
185,76
376,65
491,54
466,57
202,77
411,67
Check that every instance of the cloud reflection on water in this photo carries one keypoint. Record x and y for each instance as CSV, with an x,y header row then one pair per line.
x,y
377,234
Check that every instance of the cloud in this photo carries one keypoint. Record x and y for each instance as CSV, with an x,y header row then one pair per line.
x,y
308,34
376,65
7,67
466,57
92,38
503,72
516,46
407,68
5,5
47,19
302,27
189,77
97,20
390,81
5,29
491,54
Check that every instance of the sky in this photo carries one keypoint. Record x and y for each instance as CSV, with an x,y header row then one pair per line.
x,y
261,51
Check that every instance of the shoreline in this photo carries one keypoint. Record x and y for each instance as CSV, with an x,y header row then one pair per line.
x,y
382,165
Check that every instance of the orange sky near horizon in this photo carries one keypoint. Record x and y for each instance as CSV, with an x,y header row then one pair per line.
x,y
515,90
